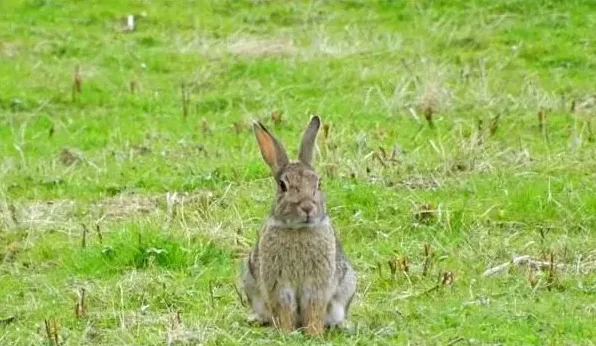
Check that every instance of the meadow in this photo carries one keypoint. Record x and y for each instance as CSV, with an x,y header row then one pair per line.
x,y
458,158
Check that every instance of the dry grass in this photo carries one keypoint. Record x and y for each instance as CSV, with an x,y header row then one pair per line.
x,y
258,47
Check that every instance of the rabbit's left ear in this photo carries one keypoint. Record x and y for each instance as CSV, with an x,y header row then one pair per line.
x,y
308,141
272,150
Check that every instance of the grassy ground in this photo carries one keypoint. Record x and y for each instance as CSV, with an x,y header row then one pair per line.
x,y
146,206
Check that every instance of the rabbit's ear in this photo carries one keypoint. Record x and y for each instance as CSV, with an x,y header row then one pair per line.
x,y
273,152
308,141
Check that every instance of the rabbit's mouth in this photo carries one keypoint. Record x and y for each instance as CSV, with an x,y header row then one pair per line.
x,y
306,222
310,221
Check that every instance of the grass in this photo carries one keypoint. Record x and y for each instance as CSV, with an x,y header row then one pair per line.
x,y
117,195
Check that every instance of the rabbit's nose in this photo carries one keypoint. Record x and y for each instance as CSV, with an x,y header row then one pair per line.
x,y
307,208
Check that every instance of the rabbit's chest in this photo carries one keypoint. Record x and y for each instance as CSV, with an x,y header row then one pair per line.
x,y
298,255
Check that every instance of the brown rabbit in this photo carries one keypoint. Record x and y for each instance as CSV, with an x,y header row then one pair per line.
x,y
297,275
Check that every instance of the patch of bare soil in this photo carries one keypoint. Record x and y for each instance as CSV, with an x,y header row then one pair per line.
x,y
262,47
69,214
8,49
38,214
125,205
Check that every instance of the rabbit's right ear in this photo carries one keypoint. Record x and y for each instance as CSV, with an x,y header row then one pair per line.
x,y
273,152
307,146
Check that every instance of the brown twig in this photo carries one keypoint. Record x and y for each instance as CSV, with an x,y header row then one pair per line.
x,y
524,261
430,290
383,153
532,277
455,341
99,236
494,124
404,265
326,130
428,255
55,330
13,213
205,126
376,155
425,213
447,278
276,117
393,154
8,320
77,82
541,119
392,262
48,329
240,297
133,86
542,124
185,100
84,238
590,131
52,331
428,115
80,311
551,278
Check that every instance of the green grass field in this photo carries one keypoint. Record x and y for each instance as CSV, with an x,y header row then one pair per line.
x,y
460,135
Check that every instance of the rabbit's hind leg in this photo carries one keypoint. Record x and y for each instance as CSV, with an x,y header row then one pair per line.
x,y
339,305
285,310
260,314
313,307
314,315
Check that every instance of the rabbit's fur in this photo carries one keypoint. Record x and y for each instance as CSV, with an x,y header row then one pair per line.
x,y
297,275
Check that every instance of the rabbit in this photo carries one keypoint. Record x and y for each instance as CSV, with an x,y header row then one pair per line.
x,y
297,276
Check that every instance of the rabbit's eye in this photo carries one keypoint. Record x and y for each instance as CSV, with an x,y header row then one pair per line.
x,y
283,186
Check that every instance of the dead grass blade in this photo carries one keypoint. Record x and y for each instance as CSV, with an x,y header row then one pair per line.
x,y
547,266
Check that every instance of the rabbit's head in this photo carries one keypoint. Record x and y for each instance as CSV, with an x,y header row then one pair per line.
x,y
299,201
